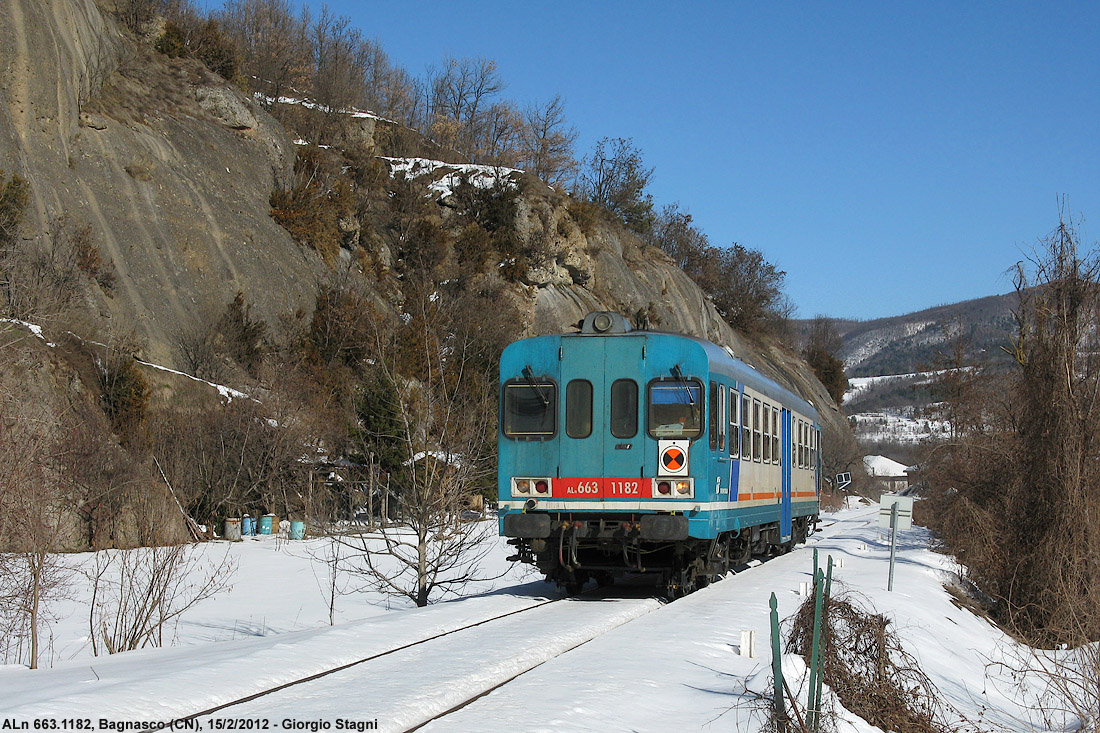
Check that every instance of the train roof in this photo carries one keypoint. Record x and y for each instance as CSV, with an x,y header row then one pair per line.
x,y
720,360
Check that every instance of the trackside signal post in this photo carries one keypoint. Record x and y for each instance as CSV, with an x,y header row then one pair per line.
x,y
896,512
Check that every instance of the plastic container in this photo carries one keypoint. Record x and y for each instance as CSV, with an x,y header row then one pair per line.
x,y
248,526
274,524
232,529
297,530
265,523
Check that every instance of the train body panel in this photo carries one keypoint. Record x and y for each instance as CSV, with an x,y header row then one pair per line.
x,y
653,446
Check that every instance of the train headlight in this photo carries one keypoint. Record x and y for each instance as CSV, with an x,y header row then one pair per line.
x,y
673,488
538,486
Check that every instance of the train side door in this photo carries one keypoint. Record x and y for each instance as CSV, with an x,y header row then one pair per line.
x,y
785,468
582,385
602,416
624,444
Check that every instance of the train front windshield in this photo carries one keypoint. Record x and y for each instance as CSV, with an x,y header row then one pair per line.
x,y
675,409
529,409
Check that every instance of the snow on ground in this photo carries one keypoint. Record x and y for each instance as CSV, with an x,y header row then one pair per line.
x,y
227,393
658,668
350,112
480,176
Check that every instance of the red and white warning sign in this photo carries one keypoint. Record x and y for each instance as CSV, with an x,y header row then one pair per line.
x,y
673,460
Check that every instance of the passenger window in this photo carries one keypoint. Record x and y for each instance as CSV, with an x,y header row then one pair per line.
x,y
746,428
530,409
735,430
776,430
767,433
624,408
578,408
757,443
675,409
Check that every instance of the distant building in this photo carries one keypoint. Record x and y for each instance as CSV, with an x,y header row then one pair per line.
x,y
887,471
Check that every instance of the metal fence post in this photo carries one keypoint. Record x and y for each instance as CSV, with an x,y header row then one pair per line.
x,y
815,653
893,543
824,642
777,670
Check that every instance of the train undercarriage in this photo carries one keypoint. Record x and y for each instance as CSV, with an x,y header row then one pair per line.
x,y
575,548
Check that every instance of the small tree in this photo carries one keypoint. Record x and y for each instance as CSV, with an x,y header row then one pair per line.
x,y
439,373
137,593
614,177
547,142
822,345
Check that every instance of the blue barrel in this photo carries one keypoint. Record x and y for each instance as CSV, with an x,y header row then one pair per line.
x,y
297,530
248,526
265,523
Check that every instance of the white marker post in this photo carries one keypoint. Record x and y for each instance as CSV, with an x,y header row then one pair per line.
x,y
896,512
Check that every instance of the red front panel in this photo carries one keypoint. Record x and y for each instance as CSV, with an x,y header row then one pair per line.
x,y
601,488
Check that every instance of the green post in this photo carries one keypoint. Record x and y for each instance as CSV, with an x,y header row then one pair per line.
x,y
777,670
814,576
824,611
815,654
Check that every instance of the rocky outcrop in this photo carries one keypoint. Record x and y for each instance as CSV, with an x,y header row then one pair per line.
x,y
170,166
173,169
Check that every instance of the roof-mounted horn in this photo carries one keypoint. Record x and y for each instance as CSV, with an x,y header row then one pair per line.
x,y
605,322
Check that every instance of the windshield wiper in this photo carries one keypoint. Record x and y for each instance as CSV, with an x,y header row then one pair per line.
x,y
530,377
676,372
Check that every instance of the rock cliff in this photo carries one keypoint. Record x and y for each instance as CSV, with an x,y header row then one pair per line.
x,y
173,168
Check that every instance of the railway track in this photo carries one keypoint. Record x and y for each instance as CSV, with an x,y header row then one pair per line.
x,y
455,667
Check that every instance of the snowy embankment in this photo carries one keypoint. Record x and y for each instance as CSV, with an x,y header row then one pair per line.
x,y
478,176
678,666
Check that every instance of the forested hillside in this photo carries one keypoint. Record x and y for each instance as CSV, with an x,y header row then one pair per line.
x,y
258,199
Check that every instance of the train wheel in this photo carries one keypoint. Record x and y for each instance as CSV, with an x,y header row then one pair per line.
x,y
574,584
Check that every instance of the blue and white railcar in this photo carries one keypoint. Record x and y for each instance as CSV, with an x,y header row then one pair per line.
x,y
640,451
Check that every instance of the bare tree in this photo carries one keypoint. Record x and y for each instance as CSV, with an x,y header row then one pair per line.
x,y
547,142
32,574
461,91
273,45
137,593
338,61
614,177
439,367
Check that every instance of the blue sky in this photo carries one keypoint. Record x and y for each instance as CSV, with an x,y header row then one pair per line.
x,y
887,156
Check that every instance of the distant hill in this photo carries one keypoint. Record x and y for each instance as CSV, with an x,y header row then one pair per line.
x,y
913,342
890,364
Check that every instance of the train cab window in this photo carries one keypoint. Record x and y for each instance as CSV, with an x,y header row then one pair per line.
x,y
722,422
624,408
578,408
775,436
712,423
675,409
815,438
757,435
735,429
746,428
530,409
767,433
